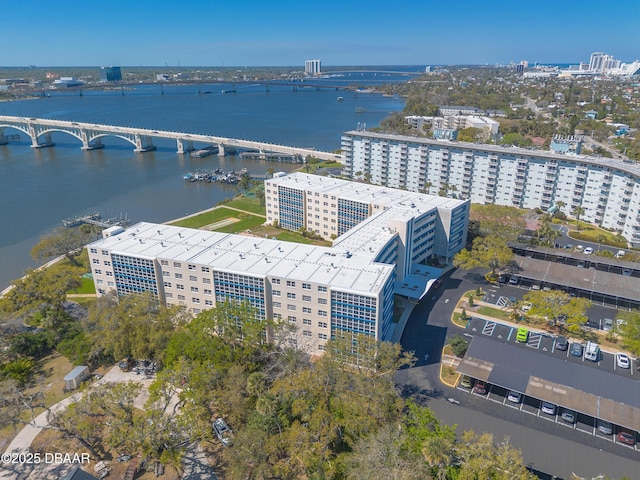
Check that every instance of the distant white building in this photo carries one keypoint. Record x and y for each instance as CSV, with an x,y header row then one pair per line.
x,y
312,67
607,189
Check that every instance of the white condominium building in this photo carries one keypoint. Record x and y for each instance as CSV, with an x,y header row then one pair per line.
x,y
608,190
319,290
312,67
381,236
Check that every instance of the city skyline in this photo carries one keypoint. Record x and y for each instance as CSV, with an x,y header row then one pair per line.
x,y
282,34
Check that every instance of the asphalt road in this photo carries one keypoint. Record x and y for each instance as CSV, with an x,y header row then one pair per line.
x,y
548,447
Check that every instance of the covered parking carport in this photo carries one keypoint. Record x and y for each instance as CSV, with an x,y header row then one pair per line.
x,y
599,286
592,392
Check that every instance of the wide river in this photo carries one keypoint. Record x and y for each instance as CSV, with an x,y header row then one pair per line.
x,y
41,187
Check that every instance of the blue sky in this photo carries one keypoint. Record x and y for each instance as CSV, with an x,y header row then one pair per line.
x,y
286,32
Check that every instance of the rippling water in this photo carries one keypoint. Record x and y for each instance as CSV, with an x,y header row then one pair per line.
x,y
41,187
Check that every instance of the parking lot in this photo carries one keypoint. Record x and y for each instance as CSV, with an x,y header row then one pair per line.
x,y
546,344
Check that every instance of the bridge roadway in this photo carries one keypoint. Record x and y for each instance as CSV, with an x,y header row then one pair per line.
x,y
91,134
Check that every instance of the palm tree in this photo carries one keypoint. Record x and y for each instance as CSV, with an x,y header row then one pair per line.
x,y
577,212
427,187
559,205
600,238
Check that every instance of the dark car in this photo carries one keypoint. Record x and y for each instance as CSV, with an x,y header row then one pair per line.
x,y
627,438
562,344
480,388
576,349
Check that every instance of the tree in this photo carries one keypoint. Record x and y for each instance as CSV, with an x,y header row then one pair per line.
x,y
459,345
577,212
556,304
489,252
600,238
63,241
498,220
629,330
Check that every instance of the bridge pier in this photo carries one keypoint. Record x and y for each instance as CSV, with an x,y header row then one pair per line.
x,y
181,146
144,144
88,145
47,140
3,139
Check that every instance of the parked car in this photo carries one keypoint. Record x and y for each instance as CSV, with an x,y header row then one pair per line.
x,y
480,388
548,408
592,352
503,279
588,251
515,397
579,248
620,254
626,437
576,349
465,381
522,335
623,360
513,281
604,427
626,272
568,416
222,431
526,307
607,324
562,343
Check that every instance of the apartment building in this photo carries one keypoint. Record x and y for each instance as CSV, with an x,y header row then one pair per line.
x,y
395,226
607,189
321,291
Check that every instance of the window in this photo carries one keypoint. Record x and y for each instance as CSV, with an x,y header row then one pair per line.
x,y
322,336
193,278
111,284
164,262
208,302
107,263
207,291
179,287
322,324
322,301
291,295
291,283
196,310
166,274
277,316
306,310
205,269
97,271
99,282
96,261
322,288
275,281
276,293
277,305
192,267
306,286
167,284
178,275
306,333
94,250
206,280
195,300
291,307
105,252
292,319
194,289
177,265
322,313
306,321
169,295
180,297
306,298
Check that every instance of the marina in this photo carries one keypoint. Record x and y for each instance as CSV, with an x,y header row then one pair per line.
x,y
272,157
217,175
95,218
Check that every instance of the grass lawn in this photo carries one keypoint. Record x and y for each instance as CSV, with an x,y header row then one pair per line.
x,y
247,222
590,233
215,215
492,312
247,204
86,287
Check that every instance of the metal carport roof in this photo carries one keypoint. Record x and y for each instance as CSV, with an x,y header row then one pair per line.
x,y
587,390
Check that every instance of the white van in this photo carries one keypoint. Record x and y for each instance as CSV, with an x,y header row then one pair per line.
x,y
592,352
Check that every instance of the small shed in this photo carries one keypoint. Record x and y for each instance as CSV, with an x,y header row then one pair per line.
x,y
75,377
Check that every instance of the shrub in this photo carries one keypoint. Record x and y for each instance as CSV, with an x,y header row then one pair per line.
x,y
470,302
459,345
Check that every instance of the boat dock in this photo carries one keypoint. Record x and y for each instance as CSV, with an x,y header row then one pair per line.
x,y
96,219
272,157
